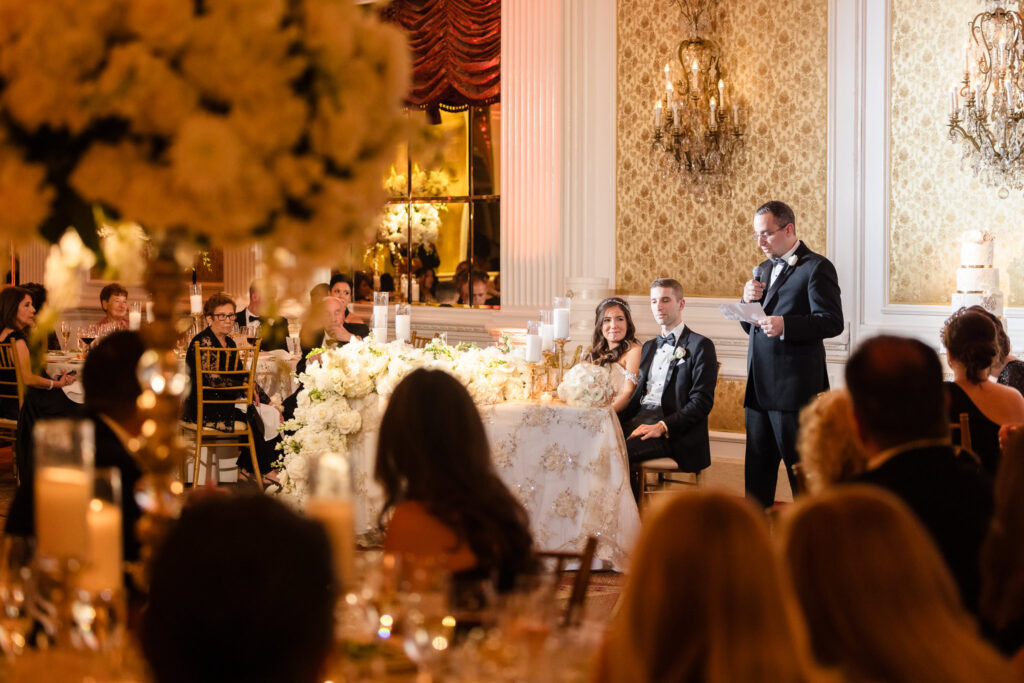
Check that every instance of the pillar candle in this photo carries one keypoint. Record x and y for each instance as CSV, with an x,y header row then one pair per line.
x,y
561,323
149,311
547,337
195,302
403,327
134,320
380,316
337,518
103,567
380,334
533,348
62,497
415,289
657,114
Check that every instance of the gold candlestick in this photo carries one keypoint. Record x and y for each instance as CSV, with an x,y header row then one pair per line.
x,y
560,353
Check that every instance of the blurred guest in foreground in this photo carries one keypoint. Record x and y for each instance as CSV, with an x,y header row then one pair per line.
x,y
900,408
114,302
830,450
706,605
441,491
273,329
111,390
1002,555
616,347
879,602
971,341
1008,369
254,615
219,311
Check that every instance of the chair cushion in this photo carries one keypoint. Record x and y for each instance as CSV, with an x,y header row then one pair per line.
x,y
661,465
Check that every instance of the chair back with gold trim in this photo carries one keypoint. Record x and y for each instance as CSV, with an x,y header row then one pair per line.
x,y
420,342
13,387
963,426
561,560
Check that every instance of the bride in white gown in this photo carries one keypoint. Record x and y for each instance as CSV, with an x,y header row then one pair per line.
x,y
615,345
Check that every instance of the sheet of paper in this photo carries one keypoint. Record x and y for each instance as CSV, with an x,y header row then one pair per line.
x,y
748,313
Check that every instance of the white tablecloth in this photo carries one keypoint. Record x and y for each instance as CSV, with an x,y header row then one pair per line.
x,y
275,372
567,466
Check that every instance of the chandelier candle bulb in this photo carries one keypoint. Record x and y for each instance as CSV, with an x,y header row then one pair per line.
x,y
657,114
675,115
103,569
736,116
721,92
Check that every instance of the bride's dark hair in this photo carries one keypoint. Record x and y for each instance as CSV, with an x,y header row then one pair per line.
x,y
433,450
600,352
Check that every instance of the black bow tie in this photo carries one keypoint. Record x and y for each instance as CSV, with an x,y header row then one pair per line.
x,y
669,339
778,262
255,318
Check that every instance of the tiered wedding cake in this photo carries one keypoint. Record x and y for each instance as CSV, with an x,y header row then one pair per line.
x,y
977,281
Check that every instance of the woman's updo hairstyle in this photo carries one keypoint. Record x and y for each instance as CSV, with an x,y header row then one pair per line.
x,y
970,338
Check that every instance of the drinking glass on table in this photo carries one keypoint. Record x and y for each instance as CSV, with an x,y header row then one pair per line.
x,y
252,334
86,336
65,334
17,590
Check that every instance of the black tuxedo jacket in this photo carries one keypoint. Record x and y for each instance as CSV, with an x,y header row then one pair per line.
x,y
785,373
687,400
273,331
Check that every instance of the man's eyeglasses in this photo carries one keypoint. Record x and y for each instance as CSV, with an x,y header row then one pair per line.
x,y
223,317
764,236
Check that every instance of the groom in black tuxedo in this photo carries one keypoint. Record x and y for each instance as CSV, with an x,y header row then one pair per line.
x,y
799,292
667,416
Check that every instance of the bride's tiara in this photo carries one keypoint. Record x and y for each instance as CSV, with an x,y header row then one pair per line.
x,y
615,300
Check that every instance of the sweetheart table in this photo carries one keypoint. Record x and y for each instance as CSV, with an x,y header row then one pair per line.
x,y
567,466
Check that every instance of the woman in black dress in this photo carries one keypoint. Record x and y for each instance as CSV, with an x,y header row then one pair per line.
x,y
970,339
219,311
1008,369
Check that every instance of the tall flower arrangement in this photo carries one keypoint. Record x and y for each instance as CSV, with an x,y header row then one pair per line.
x,y
228,120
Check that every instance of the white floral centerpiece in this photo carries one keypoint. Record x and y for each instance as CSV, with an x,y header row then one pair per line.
x,y
419,220
223,120
343,390
587,385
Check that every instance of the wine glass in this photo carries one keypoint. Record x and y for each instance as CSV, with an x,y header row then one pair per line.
x,y
87,336
428,626
65,333
252,333
17,590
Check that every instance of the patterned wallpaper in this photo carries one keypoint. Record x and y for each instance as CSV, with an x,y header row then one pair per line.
x,y
775,59
727,415
933,200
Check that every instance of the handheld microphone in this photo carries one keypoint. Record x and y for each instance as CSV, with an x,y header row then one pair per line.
x,y
757,273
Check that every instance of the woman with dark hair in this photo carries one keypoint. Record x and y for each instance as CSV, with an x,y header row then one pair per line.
x,y
879,601
441,490
1002,555
1008,369
38,294
428,285
970,341
615,346
219,311
341,289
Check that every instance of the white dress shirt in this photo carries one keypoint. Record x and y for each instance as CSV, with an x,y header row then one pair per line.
x,y
659,370
777,268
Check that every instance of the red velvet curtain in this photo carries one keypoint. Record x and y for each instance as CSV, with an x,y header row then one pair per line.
x,y
456,51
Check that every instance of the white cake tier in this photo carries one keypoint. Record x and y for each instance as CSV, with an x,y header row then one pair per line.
x,y
977,249
992,302
977,279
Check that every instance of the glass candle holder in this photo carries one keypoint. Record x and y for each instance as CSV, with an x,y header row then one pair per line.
x,y
547,331
561,317
195,299
135,315
533,340
403,322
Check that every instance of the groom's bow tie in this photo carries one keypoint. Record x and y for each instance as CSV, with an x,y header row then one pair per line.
x,y
778,262
669,339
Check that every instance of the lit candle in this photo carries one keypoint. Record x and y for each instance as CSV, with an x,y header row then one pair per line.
x,y
666,73
149,311
721,92
380,334
380,316
736,115
533,348
675,114
657,114
561,323
952,101
695,76
376,282
547,337
967,57
415,289
979,95
403,327
195,303
103,569
713,117
134,320
62,498
545,398
337,518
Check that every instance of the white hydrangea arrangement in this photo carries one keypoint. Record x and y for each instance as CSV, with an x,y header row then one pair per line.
x,y
587,385
344,388
424,219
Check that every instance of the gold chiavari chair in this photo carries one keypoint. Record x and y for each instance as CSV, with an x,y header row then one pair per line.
x,y
225,377
11,390
561,560
420,342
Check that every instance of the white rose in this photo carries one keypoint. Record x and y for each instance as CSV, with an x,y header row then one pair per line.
x,y
349,422
297,468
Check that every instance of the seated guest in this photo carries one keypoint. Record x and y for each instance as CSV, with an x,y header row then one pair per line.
x,y
363,286
615,346
1007,369
111,389
255,616
1002,555
38,294
441,491
428,285
43,396
830,450
387,283
879,602
900,408
705,601
341,289
971,342
219,311
462,282
667,416
114,302
447,294
273,329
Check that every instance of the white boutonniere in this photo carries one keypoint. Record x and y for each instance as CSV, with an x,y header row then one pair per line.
x,y
679,353
792,260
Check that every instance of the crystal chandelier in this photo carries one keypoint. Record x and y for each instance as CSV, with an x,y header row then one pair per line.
x,y
698,133
987,105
